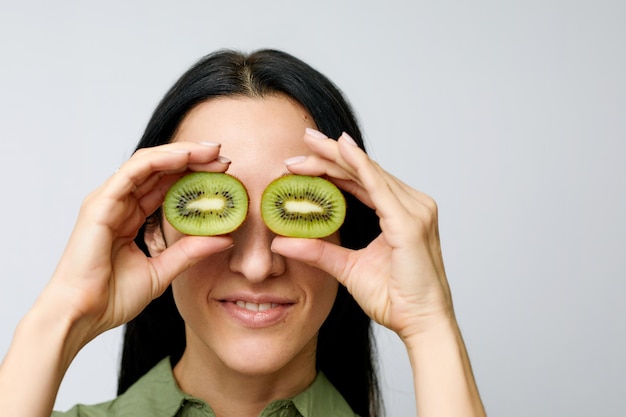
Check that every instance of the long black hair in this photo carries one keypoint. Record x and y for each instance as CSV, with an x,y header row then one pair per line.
x,y
345,350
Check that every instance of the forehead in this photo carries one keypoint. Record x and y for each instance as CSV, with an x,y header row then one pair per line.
x,y
238,116
257,134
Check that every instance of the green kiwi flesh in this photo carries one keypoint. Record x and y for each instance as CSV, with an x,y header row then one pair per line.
x,y
303,206
206,204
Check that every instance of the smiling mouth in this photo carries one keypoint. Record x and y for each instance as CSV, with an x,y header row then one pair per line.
x,y
263,313
255,306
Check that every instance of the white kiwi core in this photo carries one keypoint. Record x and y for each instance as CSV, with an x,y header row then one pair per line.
x,y
302,207
207,204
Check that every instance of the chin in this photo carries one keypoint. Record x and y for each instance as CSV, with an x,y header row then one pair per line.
x,y
258,357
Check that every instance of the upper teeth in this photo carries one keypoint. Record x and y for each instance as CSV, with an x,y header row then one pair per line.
x,y
255,306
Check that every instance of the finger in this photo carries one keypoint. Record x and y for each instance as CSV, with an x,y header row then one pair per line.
x,y
153,199
168,158
414,201
140,168
341,172
329,149
220,164
356,173
356,190
399,207
377,184
330,258
329,160
183,254
316,166
169,177
321,144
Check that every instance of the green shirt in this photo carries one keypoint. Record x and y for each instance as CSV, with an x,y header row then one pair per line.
x,y
157,394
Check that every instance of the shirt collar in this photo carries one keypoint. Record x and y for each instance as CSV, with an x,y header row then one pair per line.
x,y
158,390
322,399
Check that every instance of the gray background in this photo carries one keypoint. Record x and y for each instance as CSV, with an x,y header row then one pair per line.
x,y
511,114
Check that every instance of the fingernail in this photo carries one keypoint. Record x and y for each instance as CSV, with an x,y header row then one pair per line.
x,y
226,248
348,139
209,143
315,133
295,160
223,159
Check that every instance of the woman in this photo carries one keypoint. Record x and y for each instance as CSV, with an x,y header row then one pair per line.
x,y
196,341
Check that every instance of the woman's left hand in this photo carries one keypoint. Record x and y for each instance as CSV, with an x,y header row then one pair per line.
x,y
399,278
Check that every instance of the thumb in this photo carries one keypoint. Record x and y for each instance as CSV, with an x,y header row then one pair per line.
x,y
183,254
327,256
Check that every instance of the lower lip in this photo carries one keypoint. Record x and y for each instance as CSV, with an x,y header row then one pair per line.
x,y
256,319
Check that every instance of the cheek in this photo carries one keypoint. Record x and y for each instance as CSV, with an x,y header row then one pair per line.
x,y
186,294
191,289
323,294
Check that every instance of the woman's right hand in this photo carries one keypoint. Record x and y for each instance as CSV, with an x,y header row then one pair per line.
x,y
103,279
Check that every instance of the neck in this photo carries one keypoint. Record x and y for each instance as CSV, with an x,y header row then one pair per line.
x,y
235,393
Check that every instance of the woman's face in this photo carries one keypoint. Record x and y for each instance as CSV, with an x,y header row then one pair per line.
x,y
247,309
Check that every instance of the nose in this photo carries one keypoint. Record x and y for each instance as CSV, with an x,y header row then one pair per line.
x,y
251,255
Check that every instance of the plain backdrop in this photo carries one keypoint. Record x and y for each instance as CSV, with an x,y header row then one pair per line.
x,y
511,114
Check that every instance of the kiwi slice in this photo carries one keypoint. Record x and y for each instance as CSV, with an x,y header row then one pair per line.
x,y
206,204
303,206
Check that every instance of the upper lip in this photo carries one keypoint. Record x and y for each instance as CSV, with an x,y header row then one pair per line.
x,y
258,298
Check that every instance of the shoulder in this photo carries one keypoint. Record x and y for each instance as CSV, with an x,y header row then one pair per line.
x,y
156,394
